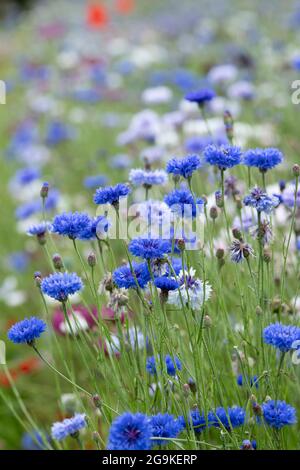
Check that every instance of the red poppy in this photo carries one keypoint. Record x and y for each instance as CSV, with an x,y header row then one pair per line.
x,y
97,15
29,365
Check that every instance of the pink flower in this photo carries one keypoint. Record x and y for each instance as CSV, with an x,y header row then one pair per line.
x,y
80,318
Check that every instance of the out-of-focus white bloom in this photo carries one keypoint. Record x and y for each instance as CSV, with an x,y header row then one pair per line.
x,y
145,125
174,119
9,294
152,155
192,290
67,59
219,105
75,324
135,338
157,95
167,137
146,56
241,90
222,73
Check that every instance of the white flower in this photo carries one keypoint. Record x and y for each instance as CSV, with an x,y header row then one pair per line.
x,y
135,338
192,291
157,95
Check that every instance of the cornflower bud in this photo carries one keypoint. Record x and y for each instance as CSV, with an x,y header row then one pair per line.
x,y
92,260
213,213
57,262
296,169
44,190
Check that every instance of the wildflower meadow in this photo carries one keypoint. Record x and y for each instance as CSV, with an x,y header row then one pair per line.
x,y
150,226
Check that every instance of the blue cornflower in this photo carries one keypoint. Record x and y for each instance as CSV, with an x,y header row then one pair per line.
x,y
197,143
147,178
278,414
92,182
224,156
171,367
166,283
68,427
239,251
230,418
252,381
27,330
34,441
39,230
111,194
96,228
176,267
164,425
18,260
59,286
148,248
181,202
124,277
248,445
263,159
196,421
281,336
26,176
184,167
259,200
58,132
130,432
71,224
201,96
27,209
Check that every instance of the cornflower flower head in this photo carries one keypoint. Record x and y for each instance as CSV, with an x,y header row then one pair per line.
x,y
25,176
239,251
196,421
59,286
166,283
224,156
192,291
96,229
248,445
278,414
263,159
68,427
39,230
71,224
130,432
184,167
231,417
27,330
34,441
281,336
181,202
147,178
172,367
201,97
131,277
263,232
164,426
111,194
94,181
148,248
259,200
